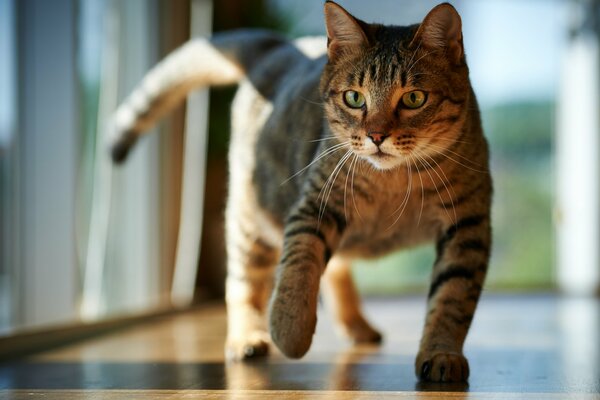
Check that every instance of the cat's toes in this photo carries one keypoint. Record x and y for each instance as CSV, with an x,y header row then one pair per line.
x,y
361,332
442,367
256,345
291,328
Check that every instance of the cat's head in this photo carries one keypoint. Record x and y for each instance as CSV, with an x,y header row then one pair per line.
x,y
396,95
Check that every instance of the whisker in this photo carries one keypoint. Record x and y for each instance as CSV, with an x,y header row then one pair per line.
x,y
425,166
422,73
411,160
330,183
311,102
353,167
444,152
346,189
322,139
451,195
449,140
423,160
325,153
414,54
405,200
419,59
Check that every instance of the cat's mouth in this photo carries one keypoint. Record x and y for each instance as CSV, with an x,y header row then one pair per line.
x,y
381,155
383,161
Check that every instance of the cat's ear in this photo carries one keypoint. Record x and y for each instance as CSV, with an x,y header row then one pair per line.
x,y
442,29
344,32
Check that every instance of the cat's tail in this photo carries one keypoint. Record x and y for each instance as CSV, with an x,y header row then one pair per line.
x,y
223,59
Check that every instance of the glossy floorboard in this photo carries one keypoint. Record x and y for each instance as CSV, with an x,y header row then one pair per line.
x,y
532,347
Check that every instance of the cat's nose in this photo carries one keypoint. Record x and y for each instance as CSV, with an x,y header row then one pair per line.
x,y
377,137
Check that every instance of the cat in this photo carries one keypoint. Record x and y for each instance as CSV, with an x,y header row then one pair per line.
x,y
351,148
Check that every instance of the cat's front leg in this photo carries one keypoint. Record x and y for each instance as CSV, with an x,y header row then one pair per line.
x,y
308,245
459,271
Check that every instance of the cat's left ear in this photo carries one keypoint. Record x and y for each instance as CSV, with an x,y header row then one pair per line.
x,y
442,29
344,32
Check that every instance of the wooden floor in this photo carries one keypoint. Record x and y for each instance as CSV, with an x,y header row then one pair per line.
x,y
530,347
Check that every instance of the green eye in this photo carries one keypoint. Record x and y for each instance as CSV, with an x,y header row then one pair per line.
x,y
414,99
354,99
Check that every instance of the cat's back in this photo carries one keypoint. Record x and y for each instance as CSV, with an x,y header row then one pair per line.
x,y
287,66
277,114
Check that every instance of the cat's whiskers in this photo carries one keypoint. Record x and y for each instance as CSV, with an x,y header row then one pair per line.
x,y
427,166
426,169
406,194
446,179
444,152
405,200
353,168
449,140
421,73
419,59
412,161
322,139
409,64
320,104
326,190
346,185
356,70
325,153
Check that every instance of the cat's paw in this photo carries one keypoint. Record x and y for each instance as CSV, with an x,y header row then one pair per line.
x,y
292,324
255,345
442,367
361,332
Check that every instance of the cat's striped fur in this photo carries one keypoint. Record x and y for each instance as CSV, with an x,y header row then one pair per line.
x,y
315,183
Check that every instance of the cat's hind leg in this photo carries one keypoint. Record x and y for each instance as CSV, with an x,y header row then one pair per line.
x,y
251,263
342,297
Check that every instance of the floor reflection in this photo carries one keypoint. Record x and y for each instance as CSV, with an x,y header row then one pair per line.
x,y
518,345
579,337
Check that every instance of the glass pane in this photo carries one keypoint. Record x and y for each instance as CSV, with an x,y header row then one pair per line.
x,y
515,73
91,26
119,206
8,281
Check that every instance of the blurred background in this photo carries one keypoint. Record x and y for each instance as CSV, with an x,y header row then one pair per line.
x,y
81,240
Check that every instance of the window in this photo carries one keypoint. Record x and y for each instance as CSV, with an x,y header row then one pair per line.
x,y
81,239
7,162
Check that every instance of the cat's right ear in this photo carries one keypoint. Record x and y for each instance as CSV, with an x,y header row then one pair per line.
x,y
441,30
344,32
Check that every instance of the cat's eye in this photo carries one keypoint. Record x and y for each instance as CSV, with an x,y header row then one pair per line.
x,y
414,99
354,99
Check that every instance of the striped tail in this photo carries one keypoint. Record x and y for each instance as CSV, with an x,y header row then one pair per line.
x,y
224,59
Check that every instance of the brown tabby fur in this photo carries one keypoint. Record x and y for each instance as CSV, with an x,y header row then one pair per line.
x,y
310,190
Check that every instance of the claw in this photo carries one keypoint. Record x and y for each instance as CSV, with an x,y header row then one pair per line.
x,y
425,370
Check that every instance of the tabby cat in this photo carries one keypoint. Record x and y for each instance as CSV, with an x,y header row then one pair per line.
x,y
351,148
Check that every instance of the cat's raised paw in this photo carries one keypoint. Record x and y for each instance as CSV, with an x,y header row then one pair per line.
x,y
291,327
255,346
442,367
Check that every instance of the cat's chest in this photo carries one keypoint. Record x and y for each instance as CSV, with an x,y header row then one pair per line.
x,y
391,215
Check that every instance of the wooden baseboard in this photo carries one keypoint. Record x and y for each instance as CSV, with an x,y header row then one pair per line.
x,y
27,342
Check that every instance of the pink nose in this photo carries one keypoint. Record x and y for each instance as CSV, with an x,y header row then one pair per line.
x,y
377,137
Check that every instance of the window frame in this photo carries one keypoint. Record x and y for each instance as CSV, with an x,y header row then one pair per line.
x,y
47,278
